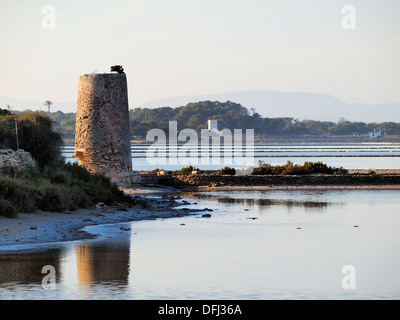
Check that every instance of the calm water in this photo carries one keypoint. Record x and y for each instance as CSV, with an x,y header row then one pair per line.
x,y
347,155
256,245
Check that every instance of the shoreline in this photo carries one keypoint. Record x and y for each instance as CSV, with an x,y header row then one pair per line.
x,y
46,228
56,227
291,187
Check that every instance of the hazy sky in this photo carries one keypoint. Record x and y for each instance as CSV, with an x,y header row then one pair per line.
x,y
185,47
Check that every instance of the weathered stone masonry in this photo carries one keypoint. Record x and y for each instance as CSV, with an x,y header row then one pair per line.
x,y
102,137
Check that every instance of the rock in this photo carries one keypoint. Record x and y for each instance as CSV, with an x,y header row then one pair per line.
x,y
17,160
100,205
125,228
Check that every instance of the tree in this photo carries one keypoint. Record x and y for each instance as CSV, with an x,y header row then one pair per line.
x,y
48,104
35,134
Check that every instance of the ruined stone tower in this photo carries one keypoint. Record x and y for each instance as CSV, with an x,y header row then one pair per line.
x,y
102,135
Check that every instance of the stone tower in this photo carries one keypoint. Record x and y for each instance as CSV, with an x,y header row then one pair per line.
x,y
102,135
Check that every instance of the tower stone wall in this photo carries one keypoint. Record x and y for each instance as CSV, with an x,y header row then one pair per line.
x,y
102,135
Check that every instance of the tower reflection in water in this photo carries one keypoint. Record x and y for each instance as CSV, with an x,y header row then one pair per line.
x,y
99,264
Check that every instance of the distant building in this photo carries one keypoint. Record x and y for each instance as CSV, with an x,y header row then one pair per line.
x,y
375,134
213,125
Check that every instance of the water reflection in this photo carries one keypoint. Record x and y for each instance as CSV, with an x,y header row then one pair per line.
x,y
27,268
102,262
273,202
219,258
81,268
265,203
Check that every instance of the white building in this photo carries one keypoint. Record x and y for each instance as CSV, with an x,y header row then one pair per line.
x,y
213,125
375,134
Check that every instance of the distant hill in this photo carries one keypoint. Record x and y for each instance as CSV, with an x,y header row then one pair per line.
x,y
270,104
232,116
300,105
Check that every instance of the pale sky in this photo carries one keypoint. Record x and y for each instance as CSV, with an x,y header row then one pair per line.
x,y
174,48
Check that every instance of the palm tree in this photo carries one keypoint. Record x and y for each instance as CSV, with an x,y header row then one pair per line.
x,y
48,104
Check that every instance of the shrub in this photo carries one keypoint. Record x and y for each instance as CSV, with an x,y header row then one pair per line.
x,y
55,185
60,188
185,170
7,209
296,169
227,171
50,198
35,135
263,169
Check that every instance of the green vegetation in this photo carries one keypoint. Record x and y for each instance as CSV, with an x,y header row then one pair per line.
x,y
56,189
234,116
64,123
295,169
7,209
230,115
53,185
33,132
185,170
